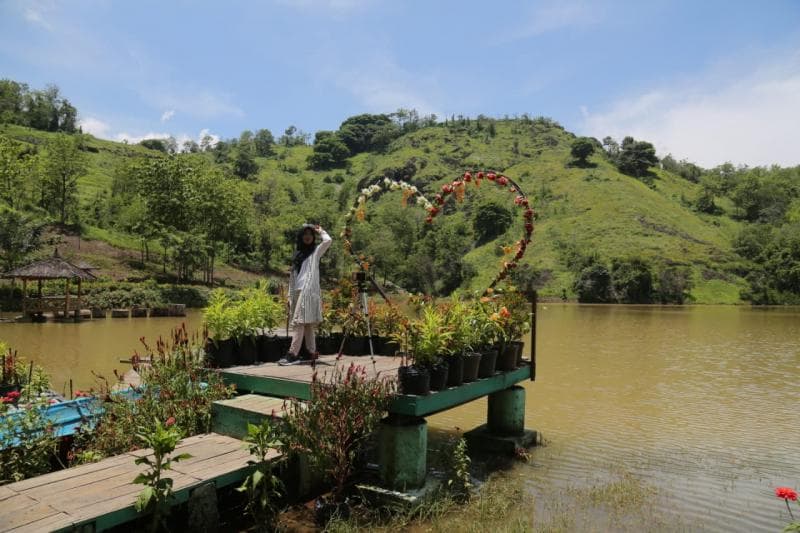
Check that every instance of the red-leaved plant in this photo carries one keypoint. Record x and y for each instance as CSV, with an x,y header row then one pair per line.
x,y
345,408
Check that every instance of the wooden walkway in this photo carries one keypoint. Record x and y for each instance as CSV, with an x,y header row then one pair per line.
x,y
102,494
274,380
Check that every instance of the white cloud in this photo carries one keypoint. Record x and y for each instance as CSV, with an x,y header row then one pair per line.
x,y
135,139
556,15
202,103
36,12
94,126
745,114
180,138
166,115
380,85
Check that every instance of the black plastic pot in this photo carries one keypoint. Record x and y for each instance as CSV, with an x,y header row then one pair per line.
x,y
507,358
520,348
439,375
220,353
247,351
328,344
389,347
472,360
8,387
269,349
455,370
487,365
356,345
414,380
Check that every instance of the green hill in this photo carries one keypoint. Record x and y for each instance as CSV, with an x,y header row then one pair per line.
x,y
581,211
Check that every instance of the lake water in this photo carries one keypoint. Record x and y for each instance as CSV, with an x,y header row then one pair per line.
x,y
699,405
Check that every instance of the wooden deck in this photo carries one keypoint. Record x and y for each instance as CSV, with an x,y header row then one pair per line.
x,y
274,380
101,494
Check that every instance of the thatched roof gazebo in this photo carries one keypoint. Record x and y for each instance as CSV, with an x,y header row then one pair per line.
x,y
51,268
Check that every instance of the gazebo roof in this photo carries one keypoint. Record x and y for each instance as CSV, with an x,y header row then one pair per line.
x,y
83,265
50,268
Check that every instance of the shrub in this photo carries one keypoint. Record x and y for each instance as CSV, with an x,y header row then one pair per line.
x,y
673,285
176,385
27,443
345,408
593,284
261,486
633,280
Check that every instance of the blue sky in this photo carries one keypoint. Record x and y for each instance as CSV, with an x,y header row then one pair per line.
x,y
711,81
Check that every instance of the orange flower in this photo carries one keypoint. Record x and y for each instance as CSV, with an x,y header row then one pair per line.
x,y
489,290
504,312
494,317
485,299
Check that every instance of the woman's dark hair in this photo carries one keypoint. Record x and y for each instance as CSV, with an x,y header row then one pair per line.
x,y
302,250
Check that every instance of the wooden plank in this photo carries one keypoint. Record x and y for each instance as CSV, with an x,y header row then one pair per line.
x,y
449,398
42,492
50,523
17,518
268,385
17,504
60,475
6,493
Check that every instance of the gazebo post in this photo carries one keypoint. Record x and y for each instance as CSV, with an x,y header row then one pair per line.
x,y
78,310
24,296
66,298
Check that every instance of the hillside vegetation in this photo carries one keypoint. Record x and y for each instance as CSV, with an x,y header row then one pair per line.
x,y
595,226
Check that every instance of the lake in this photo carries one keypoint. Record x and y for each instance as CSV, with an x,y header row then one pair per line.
x,y
684,417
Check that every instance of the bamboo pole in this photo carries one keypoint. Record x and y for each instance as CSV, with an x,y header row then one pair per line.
x,y
24,296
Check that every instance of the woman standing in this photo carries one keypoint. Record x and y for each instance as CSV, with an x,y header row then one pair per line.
x,y
304,291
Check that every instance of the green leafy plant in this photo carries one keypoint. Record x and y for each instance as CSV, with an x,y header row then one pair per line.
x,y
27,444
218,316
331,428
31,378
156,496
256,311
261,486
483,331
460,481
432,337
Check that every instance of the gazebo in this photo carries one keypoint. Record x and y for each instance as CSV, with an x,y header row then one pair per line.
x,y
51,268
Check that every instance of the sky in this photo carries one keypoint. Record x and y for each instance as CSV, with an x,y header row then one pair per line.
x,y
709,81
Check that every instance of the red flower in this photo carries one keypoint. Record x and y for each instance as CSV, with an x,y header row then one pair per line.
x,y
528,214
14,395
786,493
479,175
502,180
434,210
439,199
170,421
490,176
429,219
447,188
468,176
529,227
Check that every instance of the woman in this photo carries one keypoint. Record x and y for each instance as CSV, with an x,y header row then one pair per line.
x,y
304,292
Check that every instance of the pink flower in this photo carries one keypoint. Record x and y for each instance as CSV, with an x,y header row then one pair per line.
x,y
170,421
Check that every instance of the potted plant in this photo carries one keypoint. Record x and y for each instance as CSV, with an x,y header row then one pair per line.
x,y
514,322
458,345
486,335
385,321
354,325
218,319
431,345
411,378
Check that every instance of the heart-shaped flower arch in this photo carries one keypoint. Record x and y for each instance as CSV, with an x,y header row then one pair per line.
x,y
457,189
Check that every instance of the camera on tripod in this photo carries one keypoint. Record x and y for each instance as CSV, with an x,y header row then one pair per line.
x,y
360,279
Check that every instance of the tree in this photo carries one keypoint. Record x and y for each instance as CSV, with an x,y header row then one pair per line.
x,y
63,166
633,280
12,101
15,166
581,149
491,220
264,143
20,235
636,157
593,284
206,143
245,165
674,284
367,132
154,144
191,146
329,151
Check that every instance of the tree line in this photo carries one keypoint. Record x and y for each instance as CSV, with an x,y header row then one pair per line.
x,y
44,109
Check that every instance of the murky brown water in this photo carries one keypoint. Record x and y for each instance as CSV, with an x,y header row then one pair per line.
x,y
701,403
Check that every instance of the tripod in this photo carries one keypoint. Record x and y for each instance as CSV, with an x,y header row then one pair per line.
x,y
361,278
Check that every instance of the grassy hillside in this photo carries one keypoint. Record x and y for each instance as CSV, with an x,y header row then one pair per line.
x,y
581,210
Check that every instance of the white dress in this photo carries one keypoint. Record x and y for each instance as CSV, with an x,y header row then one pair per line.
x,y
308,307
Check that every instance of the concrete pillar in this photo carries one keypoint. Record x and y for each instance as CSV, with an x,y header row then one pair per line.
x,y
506,413
402,452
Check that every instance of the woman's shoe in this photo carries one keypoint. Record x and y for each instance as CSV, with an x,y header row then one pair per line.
x,y
289,360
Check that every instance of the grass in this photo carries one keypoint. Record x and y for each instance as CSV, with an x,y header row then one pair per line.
x,y
594,210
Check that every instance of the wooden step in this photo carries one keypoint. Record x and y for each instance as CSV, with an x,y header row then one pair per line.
x,y
230,417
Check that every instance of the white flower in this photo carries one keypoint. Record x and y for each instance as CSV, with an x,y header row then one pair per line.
x,y
362,199
387,181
